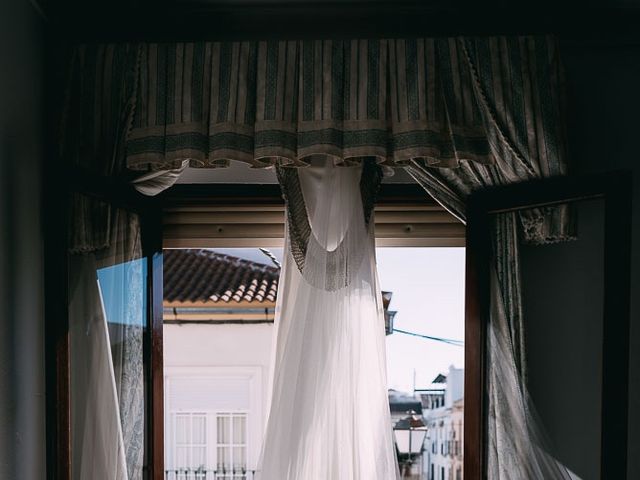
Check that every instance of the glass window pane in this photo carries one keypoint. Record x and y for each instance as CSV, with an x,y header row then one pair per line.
x,y
199,434
239,429
107,323
181,457
224,458
199,460
182,428
239,458
563,369
224,429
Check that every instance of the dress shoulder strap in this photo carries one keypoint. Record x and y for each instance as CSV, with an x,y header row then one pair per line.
x,y
299,227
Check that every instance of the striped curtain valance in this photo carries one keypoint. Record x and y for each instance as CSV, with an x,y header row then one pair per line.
x,y
518,84
435,101
281,102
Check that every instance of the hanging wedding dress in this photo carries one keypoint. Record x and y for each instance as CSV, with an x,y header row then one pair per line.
x,y
329,417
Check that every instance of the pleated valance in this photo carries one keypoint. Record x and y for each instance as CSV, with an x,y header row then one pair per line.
x,y
281,102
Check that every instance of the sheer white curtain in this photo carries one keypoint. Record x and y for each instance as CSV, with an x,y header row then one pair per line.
x,y
98,450
329,415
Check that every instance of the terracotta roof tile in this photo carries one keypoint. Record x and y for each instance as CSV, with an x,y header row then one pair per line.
x,y
194,275
198,275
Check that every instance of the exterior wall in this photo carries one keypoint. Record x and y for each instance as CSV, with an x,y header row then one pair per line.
x,y
444,443
443,447
455,386
457,446
230,359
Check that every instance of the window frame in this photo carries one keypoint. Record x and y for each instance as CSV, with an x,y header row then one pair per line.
x,y
119,194
254,376
233,445
212,442
189,444
615,188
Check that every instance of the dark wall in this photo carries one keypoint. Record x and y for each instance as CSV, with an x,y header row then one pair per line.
x,y
604,130
22,420
563,324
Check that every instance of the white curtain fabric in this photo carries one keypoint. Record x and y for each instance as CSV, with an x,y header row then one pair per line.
x,y
98,450
329,416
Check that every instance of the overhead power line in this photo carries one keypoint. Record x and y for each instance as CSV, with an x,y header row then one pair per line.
x,y
457,343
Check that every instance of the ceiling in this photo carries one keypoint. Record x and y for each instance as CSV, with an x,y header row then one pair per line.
x,y
190,20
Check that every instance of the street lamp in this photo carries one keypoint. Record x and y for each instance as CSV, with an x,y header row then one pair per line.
x,y
409,433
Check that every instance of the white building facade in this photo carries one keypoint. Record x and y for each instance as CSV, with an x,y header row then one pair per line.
x,y
445,434
218,339
216,395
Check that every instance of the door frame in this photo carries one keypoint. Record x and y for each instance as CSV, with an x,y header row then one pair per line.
x,y
615,188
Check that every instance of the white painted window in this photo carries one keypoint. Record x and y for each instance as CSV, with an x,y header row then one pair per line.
x,y
213,419
209,445
190,445
231,446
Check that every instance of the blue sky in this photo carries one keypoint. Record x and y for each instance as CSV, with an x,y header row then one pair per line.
x,y
428,294
123,288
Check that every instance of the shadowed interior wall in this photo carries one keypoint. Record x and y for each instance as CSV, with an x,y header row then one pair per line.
x,y
604,122
22,401
563,321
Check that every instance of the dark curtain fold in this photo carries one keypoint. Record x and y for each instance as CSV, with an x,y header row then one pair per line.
x,y
99,107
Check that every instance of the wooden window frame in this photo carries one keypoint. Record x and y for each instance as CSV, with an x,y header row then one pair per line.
x,y
119,193
254,200
615,188
58,405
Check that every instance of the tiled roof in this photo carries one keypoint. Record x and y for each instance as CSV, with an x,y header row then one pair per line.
x,y
194,275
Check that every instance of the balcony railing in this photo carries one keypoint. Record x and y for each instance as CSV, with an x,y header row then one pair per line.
x,y
203,474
